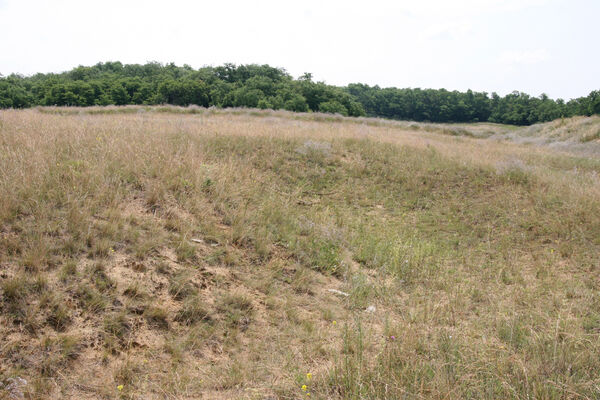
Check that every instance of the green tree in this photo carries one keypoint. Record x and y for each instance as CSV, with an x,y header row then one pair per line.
x,y
333,107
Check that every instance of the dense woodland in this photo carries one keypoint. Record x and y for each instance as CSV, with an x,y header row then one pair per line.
x,y
262,86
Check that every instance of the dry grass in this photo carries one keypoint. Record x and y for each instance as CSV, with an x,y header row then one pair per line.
x,y
188,253
578,135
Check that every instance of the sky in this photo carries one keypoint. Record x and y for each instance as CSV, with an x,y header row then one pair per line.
x,y
534,46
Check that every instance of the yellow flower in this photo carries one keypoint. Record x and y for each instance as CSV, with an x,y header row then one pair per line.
x,y
334,322
308,394
120,387
309,376
304,388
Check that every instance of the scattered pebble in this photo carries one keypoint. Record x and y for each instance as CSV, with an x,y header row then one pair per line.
x,y
335,291
14,388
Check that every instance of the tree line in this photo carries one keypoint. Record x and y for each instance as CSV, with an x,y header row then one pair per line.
x,y
266,87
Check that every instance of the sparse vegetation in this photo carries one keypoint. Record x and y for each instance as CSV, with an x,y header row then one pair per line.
x,y
165,253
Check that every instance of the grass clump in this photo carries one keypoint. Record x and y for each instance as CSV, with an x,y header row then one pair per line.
x,y
39,284
117,325
237,309
89,298
100,278
181,287
135,291
117,329
591,323
58,352
68,271
185,251
14,289
100,248
157,317
126,373
58,315
193,310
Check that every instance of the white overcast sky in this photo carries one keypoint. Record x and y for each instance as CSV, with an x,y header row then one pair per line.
x,y
535,46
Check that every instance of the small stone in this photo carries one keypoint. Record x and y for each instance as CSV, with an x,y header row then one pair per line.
x,y
335,291
14,388
370,309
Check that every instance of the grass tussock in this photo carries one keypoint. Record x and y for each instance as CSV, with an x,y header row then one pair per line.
x,y
171,253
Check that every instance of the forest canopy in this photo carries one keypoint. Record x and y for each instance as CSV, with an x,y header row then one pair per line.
x,y
266,87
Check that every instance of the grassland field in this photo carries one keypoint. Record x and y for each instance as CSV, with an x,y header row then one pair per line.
x,y
185,253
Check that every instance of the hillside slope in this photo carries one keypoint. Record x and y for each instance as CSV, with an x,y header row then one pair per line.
x,y
577,135
172,253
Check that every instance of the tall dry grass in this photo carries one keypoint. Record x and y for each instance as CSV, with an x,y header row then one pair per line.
x,y
175,254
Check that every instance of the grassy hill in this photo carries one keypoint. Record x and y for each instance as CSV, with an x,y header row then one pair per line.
x,y
190,253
